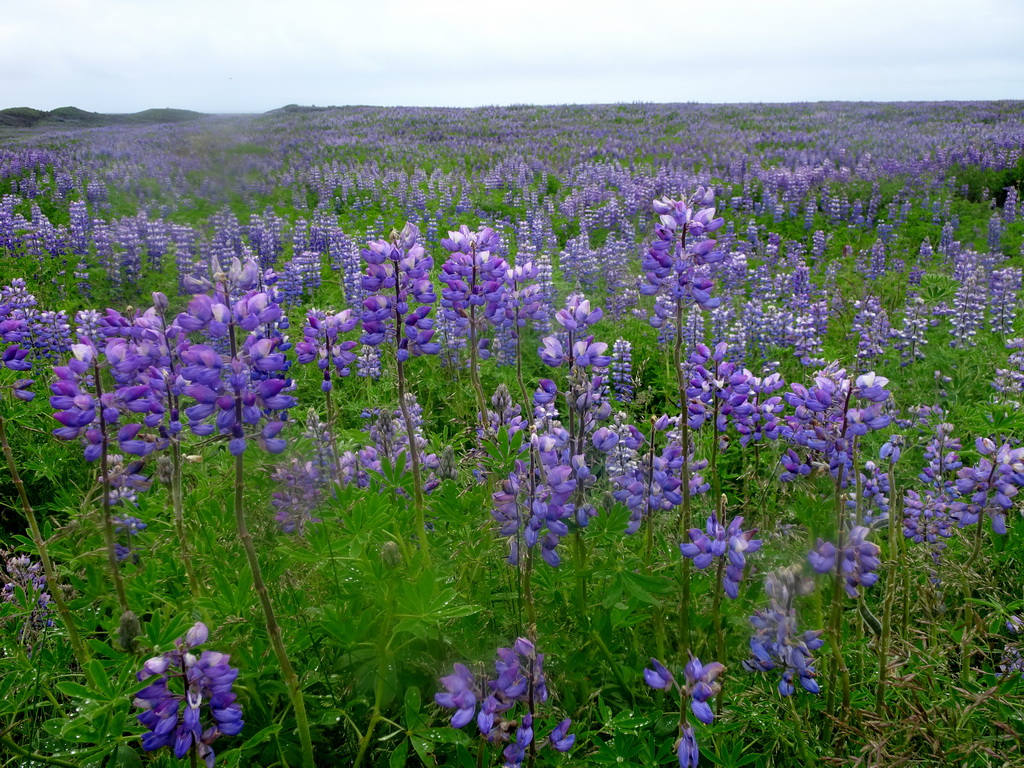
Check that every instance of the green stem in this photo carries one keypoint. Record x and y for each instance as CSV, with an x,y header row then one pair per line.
x,y
474,372
683,521
414,461
579,567
615,666
890,593
179,517
108,523
34,756
531,609
839,667
716,613
331,425
364,743
805,758
291,680
81,654
648,512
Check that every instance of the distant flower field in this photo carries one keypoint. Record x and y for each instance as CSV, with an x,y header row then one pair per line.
x,y
634,435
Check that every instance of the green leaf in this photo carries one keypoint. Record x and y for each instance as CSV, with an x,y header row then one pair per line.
x,y
413,702
75,690
424,749
258,738
400,756
126,757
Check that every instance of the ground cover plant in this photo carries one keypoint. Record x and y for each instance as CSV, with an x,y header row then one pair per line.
x,y
614,435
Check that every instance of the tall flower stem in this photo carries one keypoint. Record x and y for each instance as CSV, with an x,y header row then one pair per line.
x,y
527,569
716,612
683,522
890,593
108,523
649,549
801,745
179,517
579,568
331,427
474,366
291,680
176,497
839,667
414,461
77,647
968,613
527,402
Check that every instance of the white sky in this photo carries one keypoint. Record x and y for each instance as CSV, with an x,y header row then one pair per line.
x,y
255,55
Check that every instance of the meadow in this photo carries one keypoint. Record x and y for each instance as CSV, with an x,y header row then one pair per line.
x,y
633,435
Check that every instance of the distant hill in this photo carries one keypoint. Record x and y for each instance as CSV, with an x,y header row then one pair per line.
x,y
73,117
297,109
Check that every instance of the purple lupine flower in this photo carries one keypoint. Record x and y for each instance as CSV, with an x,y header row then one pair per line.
x,y
474,279
461,694
23,584
504,412
578,350
1004,288
560,739
518,681
776,643
321,343
989,487
910,337
968,309
701,684
718,390
675,266
762,421
301,486
131,527
245,388
858,559
825,423
927,520
186,686
686,748
397,273
717,541
651,481
872,330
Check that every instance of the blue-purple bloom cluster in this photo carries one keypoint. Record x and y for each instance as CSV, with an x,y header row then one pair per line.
x,y
677,266
186,686
776,643
701,684
322,343
398,273
989,487
23,579
825,421
858,559
130,527
719,541
518,680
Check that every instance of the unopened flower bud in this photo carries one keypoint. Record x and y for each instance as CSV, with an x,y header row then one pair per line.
x,y
163,470
447,468
391,554
128,631
160,301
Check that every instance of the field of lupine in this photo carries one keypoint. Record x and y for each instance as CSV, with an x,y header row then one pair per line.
x,y
617,435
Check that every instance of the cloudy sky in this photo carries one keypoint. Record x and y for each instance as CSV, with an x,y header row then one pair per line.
x,y
255,55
